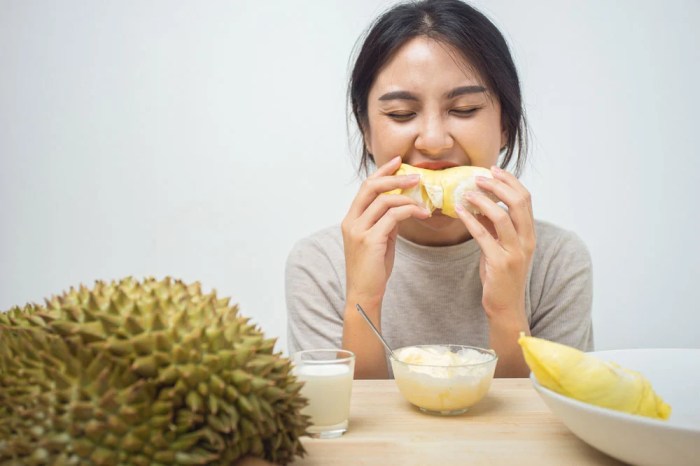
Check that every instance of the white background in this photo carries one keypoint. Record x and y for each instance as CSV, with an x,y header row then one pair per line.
x,y
202,139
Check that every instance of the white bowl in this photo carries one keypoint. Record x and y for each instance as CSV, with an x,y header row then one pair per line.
x,y
445,389
675,375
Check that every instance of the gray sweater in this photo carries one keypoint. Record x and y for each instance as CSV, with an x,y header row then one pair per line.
x,y
434,293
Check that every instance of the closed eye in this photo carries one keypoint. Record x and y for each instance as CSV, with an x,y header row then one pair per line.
x,y
464,111
401,116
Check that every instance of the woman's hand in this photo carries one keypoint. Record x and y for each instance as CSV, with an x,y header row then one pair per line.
x,y
507,241
370,229
369,236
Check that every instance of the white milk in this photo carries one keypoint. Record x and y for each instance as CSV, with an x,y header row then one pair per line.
x,y
328,389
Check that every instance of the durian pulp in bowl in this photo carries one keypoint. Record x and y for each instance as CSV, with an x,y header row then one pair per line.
x,y
443,379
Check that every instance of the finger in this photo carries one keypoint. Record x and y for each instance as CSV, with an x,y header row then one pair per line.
x,y
487,224
511,180
503,224
507,178
373,187
388,168
518,203
389,221
380,206
488,244
517,200
362,200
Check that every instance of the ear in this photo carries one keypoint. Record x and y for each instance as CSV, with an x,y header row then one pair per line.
x,y
504,139
367,140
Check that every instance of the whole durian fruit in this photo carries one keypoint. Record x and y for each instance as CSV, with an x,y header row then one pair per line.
x,y
143,373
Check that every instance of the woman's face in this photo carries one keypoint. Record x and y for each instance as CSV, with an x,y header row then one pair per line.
x,y
427,106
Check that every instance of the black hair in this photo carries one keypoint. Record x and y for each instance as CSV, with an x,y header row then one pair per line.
x,y
468,31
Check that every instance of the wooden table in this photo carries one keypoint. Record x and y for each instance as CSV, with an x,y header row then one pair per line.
x,y
512,425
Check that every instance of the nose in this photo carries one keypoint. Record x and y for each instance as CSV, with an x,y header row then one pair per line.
x,y
433,137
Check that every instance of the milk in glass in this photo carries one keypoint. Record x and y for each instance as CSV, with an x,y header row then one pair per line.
x,y
327,386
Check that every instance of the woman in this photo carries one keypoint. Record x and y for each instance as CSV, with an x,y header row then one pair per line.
x,y
434,86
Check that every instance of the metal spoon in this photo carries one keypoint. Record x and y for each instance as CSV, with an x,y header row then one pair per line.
x,y
376,332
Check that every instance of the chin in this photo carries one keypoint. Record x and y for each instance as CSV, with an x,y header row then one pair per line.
x,y
438,230
439,221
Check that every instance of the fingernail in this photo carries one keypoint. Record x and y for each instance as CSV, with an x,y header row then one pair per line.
x,y
459,208
496,169
481,178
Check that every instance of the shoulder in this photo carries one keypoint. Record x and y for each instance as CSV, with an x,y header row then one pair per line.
x,y
561,288
561,259
554,241
326,243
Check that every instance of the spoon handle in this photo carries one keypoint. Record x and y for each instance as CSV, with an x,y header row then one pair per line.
x,y
374,329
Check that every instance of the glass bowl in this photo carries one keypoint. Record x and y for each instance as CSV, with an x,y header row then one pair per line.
x,y
443,379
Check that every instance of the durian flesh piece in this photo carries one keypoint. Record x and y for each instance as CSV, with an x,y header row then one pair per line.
x,y
143,373
573,373
443,189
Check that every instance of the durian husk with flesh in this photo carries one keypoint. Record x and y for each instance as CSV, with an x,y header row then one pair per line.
x,y
143,373
444,189
573,373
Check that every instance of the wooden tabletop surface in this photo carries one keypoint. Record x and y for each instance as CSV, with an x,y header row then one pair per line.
x,y
511,425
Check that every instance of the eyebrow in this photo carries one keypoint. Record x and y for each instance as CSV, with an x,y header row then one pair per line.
x,y
456,92
398,95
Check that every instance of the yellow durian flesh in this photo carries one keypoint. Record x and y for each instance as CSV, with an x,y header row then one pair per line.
x,y
573,373
443,189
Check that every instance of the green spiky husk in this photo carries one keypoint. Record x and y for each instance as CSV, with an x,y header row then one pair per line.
x,y
143,373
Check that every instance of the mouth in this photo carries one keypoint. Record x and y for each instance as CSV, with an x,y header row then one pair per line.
x,y
436,165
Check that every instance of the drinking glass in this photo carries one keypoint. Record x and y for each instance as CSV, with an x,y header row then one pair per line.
x,y
327,375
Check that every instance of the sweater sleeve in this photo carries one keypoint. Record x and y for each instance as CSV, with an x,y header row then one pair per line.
x,y
315,297
562,293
